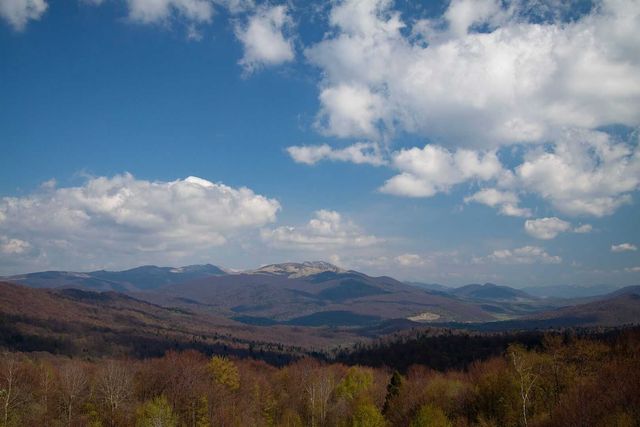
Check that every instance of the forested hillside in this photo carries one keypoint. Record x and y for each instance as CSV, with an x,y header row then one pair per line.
x,y
564,380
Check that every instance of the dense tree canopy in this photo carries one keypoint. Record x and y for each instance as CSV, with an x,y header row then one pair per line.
x,y
565,381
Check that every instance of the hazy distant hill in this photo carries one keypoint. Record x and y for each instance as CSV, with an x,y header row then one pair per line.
x,y
430,286
136,279
629,290
569,291
617,310
489,291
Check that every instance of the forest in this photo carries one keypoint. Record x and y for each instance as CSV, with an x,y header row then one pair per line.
x,y
556,379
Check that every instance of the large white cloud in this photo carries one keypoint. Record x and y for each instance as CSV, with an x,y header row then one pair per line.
x,y
327,230
432,169
520,81
358,153
123,215
263,39
18,12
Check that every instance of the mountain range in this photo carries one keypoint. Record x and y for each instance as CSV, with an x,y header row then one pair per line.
x,y
312,302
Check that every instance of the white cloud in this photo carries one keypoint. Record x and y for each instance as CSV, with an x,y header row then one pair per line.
x,y
462,14
506,201
546,228
327,230
162,11
18,12
583,173
13,246
549,228
523,255
410,260
632,269
583,229
263,39
192,12
624,247
433,169
520,81
359,153
350,110
589,173
113,217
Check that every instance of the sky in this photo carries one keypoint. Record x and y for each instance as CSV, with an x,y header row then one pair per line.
x,y
443,142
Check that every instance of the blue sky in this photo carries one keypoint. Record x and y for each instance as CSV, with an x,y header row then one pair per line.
x,y
449,142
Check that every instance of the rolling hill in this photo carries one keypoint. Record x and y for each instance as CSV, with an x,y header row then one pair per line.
x,y
74,322
492,292
294,295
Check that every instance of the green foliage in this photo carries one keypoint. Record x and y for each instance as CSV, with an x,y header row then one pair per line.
x,y
202,413
224,372
355,383
156,413
430,416
368,415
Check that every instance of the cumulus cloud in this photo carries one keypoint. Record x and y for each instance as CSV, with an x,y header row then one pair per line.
x,y
583,173
327,230
523,255
546,228
505,201
350,110
433,169
123,215
519,79
18,13
624,247
263,38
359,153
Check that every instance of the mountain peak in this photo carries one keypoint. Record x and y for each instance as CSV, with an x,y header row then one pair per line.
x,y
294,270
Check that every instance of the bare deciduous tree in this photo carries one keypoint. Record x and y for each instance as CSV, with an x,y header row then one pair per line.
x,y
319,386
12,396
73,385
113,388
526,378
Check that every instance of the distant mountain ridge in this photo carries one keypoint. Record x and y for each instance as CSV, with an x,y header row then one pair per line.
x,y
570,291
549,292
141,278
